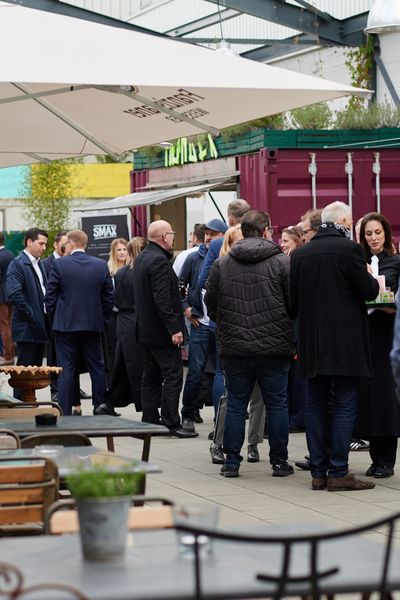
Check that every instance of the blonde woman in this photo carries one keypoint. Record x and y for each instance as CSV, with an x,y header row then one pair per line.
x,y
127,376
118,259
232,235
118,255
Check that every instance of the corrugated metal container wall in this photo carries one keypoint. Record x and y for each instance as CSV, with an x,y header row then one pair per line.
x,y
139,223
279,182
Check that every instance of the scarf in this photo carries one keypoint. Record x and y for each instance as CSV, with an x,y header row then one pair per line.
x,y
344,231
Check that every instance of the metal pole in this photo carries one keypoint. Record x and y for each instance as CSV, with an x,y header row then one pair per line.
x,y
349,171
312,169
376,167
216,206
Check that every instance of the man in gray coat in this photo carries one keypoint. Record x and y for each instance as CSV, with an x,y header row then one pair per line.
x,y
248,297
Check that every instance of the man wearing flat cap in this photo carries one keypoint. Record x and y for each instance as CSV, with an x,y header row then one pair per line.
x,y
202,336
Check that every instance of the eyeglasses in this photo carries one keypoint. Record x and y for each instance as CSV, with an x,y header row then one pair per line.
x,y
170,233
307,231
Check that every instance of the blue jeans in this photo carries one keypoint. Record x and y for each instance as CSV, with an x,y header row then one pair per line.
x,y
201,346
218,384
241,373
329,429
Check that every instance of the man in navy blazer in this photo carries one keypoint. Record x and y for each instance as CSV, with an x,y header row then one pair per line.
x,y
26,287
5,306
79,301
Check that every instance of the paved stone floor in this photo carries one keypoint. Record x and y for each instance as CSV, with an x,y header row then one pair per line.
x,y
255,497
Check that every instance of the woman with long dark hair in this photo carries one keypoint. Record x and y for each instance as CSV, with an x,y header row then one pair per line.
x,y
127,375
379,410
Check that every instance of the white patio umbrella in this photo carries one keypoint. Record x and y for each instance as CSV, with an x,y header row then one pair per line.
x,y
70,87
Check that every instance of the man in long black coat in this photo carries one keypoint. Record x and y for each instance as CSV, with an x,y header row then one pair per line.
x,y
329,284
160,329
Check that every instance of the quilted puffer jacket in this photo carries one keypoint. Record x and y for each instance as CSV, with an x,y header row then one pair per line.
x,y
248,295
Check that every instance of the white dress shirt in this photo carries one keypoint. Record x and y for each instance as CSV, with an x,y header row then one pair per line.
x,y
35,264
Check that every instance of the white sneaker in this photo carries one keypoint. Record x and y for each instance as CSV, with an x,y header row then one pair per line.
x,y
4,362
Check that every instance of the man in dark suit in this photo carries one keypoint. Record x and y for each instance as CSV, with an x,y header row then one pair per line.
x,y
5,306
60,244
26,287
160,329
329,285
79,301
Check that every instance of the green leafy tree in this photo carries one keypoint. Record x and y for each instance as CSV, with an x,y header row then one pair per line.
x,y
48,190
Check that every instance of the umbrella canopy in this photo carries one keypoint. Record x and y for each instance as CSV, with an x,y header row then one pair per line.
x,y
70,87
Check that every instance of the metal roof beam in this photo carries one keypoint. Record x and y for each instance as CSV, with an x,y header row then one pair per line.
x,y
208,21
282,48
324,15
301,19
254,41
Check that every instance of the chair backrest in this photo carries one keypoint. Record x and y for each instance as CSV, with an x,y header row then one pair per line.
x,y
27,488
281,576
62,517
60,439
25,411
9,440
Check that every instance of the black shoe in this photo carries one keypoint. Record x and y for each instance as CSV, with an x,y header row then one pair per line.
x,y
104,409
211,435
197,417
296,429
229,471
282,469
183,433
54,397
252,454
304,465
383,471
76,413
370,472
217,456
84,396
188,425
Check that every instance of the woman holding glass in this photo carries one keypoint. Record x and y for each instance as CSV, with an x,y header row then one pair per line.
x,y
379,409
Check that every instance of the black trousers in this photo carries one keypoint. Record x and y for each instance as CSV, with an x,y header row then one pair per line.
x,y
161,385
382,450
29,353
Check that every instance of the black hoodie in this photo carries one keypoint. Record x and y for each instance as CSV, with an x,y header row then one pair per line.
x,y
248,296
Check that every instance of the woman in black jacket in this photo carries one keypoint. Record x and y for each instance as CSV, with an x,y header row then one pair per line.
x,y
379,410
127,375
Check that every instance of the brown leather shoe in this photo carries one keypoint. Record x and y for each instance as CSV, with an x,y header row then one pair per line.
x,y
348,483
319,483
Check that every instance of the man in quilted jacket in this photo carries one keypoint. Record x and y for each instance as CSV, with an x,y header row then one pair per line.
x,y
248,297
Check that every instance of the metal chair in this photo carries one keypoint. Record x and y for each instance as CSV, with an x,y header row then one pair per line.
x,y
61,517
312,548
27,488
9,440
61,439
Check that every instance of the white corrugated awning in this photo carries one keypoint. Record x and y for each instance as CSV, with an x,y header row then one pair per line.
x,y
152,197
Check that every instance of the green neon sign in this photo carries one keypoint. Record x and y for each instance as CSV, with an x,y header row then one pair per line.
x,y
182,152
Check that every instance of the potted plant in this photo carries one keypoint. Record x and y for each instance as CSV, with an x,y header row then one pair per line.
x,y
103,498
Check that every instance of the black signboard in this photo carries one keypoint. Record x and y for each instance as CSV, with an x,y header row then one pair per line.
x,y
102,231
